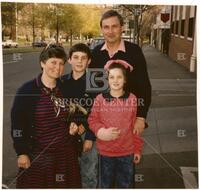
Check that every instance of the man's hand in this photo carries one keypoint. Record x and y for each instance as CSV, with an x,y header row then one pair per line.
x,y
108,134
87,145
81,129
23,161
139,125
137,158
73,128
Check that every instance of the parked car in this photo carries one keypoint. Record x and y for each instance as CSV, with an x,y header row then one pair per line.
x,y
9,44
39,44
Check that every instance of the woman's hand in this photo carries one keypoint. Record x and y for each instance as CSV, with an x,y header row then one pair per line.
x,y
137,158
73,128
87,145
23,161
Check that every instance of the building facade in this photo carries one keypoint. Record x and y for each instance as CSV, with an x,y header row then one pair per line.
x,y
175,34
161,30
182,46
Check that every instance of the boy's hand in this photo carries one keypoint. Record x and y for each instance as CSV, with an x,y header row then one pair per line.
x,y
137,158
23,161
108,134
73,128
81,129
87,145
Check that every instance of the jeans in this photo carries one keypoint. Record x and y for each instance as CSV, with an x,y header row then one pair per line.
x,y
89,165
118,171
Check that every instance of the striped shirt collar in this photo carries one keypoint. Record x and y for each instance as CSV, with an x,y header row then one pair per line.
x,y
40,84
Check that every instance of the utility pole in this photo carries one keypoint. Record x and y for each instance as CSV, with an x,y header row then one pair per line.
x,y
57,25
58,13
33,21
16,22
135,25
137,12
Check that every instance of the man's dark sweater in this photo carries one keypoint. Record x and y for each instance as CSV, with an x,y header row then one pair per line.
x,y
138,80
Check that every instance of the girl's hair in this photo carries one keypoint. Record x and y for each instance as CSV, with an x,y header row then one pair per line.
x,y
53,51
118,66
125,71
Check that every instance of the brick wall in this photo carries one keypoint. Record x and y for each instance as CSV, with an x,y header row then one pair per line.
x,y
180,47
180,50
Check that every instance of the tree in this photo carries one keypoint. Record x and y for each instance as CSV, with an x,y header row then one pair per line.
x,y
65,18
137,11
90,15
35,19
72,21
32,20
149,18
76,20
9,12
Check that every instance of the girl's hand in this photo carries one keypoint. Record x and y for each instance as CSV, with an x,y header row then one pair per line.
x,y
73,128
81,129
137,158
87,145
23,161
108,134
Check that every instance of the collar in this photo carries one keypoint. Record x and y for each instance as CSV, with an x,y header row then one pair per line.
x,y
39,81
110,98
41,85
120,48
70,76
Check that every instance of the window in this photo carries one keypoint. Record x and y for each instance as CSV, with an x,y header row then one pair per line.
x,y
182,27
191,27
176,29
172,29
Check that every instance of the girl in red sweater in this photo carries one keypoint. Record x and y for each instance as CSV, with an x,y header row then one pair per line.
x,y
112,120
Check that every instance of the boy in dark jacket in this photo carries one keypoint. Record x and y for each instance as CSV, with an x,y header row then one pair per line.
x,y
75,84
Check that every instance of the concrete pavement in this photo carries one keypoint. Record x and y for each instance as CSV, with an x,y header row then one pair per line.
x,y
170,150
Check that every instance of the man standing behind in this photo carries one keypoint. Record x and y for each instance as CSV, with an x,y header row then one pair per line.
x,y
115,47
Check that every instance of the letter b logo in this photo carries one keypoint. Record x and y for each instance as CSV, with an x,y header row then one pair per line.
x,y
96,80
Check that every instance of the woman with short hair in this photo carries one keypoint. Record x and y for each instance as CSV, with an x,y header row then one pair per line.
x,y
47,157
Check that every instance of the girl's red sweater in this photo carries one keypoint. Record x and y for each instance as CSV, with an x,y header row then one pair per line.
x,y
116,112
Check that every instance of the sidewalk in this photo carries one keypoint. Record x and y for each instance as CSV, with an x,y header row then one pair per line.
x,y
171,139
